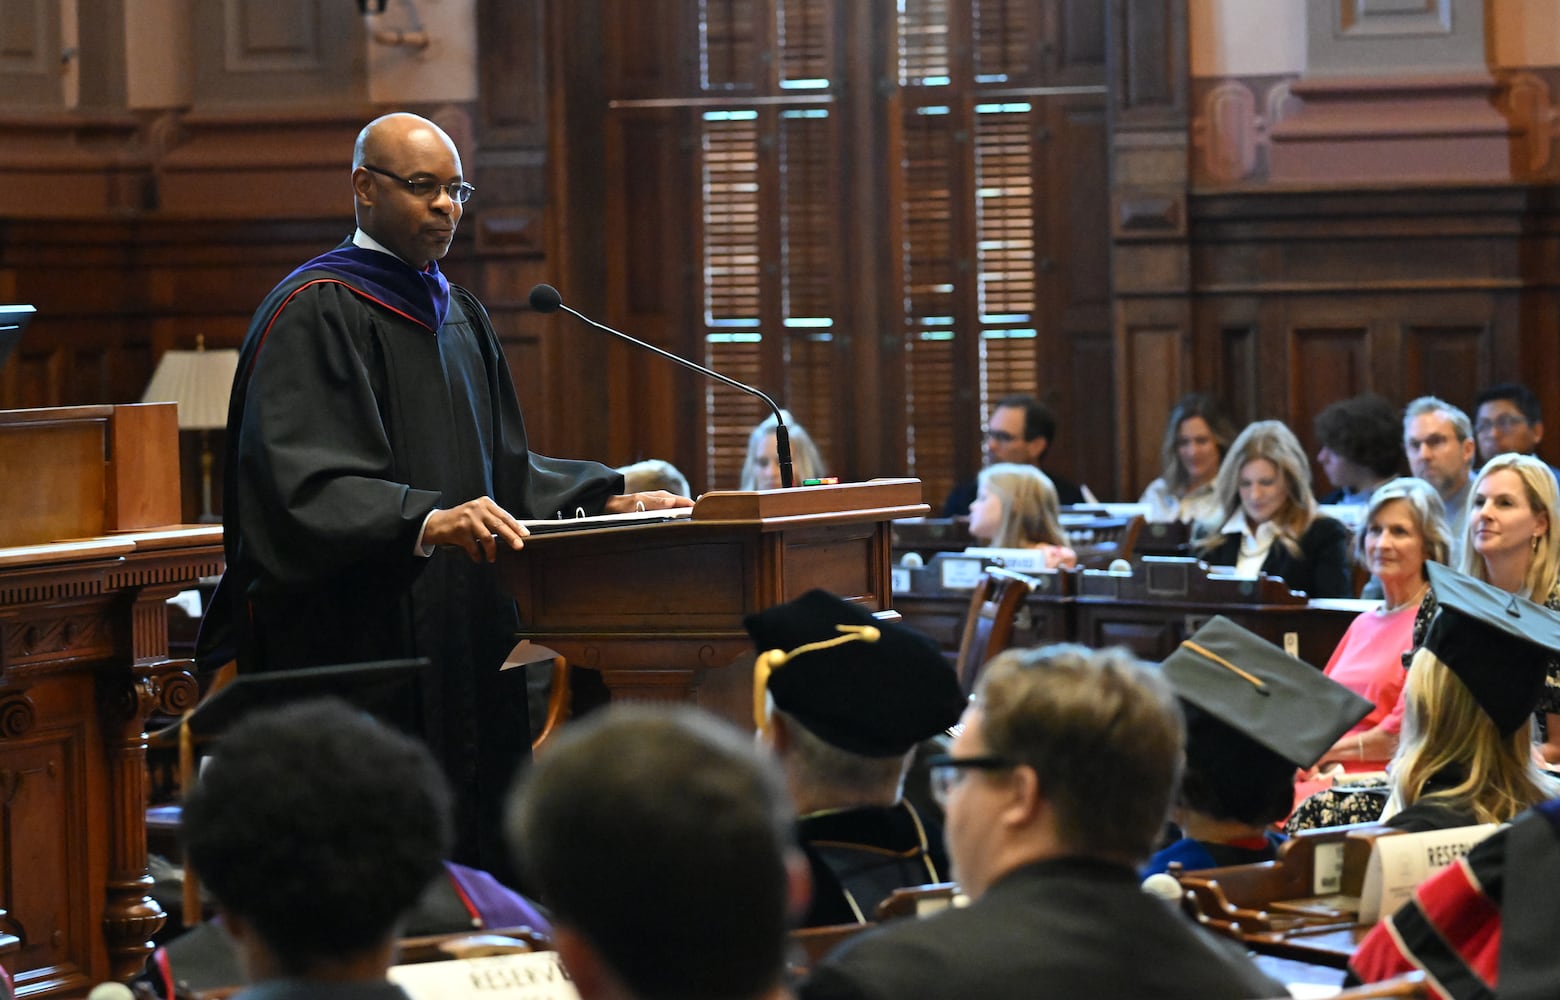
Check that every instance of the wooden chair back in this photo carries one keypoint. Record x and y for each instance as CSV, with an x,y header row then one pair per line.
x,y
1100,541
810,944
917,900
988,625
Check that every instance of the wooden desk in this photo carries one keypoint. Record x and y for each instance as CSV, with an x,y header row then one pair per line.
x,y
656,610
83,662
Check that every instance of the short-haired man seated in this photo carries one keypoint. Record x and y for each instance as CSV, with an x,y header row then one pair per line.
x,y
661,838
1058,784
317,829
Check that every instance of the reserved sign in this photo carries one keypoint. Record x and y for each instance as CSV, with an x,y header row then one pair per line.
x,y
527,976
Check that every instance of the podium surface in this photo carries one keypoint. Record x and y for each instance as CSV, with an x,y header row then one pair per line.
x,y
656,609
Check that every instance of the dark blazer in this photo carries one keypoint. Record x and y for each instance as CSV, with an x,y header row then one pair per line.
x,y
1069,927
1321,570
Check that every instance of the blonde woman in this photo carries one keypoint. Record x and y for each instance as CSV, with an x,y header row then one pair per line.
x,y
1269,517
1511,544
1403,530
1016,508
761,470
1456,765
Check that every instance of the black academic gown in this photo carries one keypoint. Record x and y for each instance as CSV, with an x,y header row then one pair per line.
x,y
858,857
350,422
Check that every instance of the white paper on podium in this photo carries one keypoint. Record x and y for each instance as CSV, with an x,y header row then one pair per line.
x,y
1400,862
534,976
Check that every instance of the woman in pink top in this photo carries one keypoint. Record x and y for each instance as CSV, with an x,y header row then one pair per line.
x,y
1403,528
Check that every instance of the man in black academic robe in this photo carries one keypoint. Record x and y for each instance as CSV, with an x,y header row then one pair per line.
x,y
376,460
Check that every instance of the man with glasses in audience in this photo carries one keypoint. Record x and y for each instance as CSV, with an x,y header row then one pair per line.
x,y
1508,418
1020,430
1438,438
1057,787
376,463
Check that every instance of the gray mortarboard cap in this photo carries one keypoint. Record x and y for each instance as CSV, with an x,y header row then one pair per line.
x,y
868,687
1267,696
1498,644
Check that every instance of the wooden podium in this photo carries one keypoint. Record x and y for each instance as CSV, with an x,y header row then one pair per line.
x,y
90,550
656,609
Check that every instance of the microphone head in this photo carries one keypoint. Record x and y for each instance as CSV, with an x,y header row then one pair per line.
x,y
111,991
1164,886
1120,566
545,299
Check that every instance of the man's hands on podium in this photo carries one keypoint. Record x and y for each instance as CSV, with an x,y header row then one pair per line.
x,y
649,500
478,526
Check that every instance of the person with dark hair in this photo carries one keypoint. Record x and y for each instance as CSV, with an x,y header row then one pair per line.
x,y
663,841
1507,418
1253,715
1058,784
1021,430
1197,435
845,700
1361,446
317,829
377,461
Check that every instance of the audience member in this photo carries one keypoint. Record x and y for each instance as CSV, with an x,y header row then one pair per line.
x,y
1015,508
1511,543
1466,756
1270,522
316,830
1021,430
843,699
1197,435
1439,441
654,474
1482,926
1361,448
1507,418
1059,782
761,468
1403,529
662,840
1253,714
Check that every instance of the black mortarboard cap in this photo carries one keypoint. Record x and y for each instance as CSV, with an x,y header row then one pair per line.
x,y
869,687
388,689
1498,644
1269,697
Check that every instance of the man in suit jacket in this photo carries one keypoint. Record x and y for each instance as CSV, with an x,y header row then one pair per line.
x,y
1057,786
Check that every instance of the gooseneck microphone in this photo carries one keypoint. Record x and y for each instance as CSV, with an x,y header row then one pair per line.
x,y
545,299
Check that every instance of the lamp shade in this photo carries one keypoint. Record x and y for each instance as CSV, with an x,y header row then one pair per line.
x,y
199,381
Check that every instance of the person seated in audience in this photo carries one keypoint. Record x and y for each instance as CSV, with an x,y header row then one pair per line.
x,y
1466,755
1438,439
1270,523
761,469
1196,437
1253,714
316,829
663,841
1508,419
1015,508
843,699
1021,430
1512,543
1059,781
1361,447
654,474
1403,529
1483,925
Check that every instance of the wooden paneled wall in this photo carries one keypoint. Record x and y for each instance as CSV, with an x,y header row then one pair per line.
x,y
136,231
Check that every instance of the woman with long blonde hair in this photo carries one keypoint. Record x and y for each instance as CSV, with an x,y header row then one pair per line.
x,y
1269,518
1016,508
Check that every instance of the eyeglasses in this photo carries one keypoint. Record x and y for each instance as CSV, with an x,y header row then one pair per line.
x,y
945,771
1000,437
459,191
1504,422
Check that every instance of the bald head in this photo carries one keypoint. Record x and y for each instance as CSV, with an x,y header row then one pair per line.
x,y
390,152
